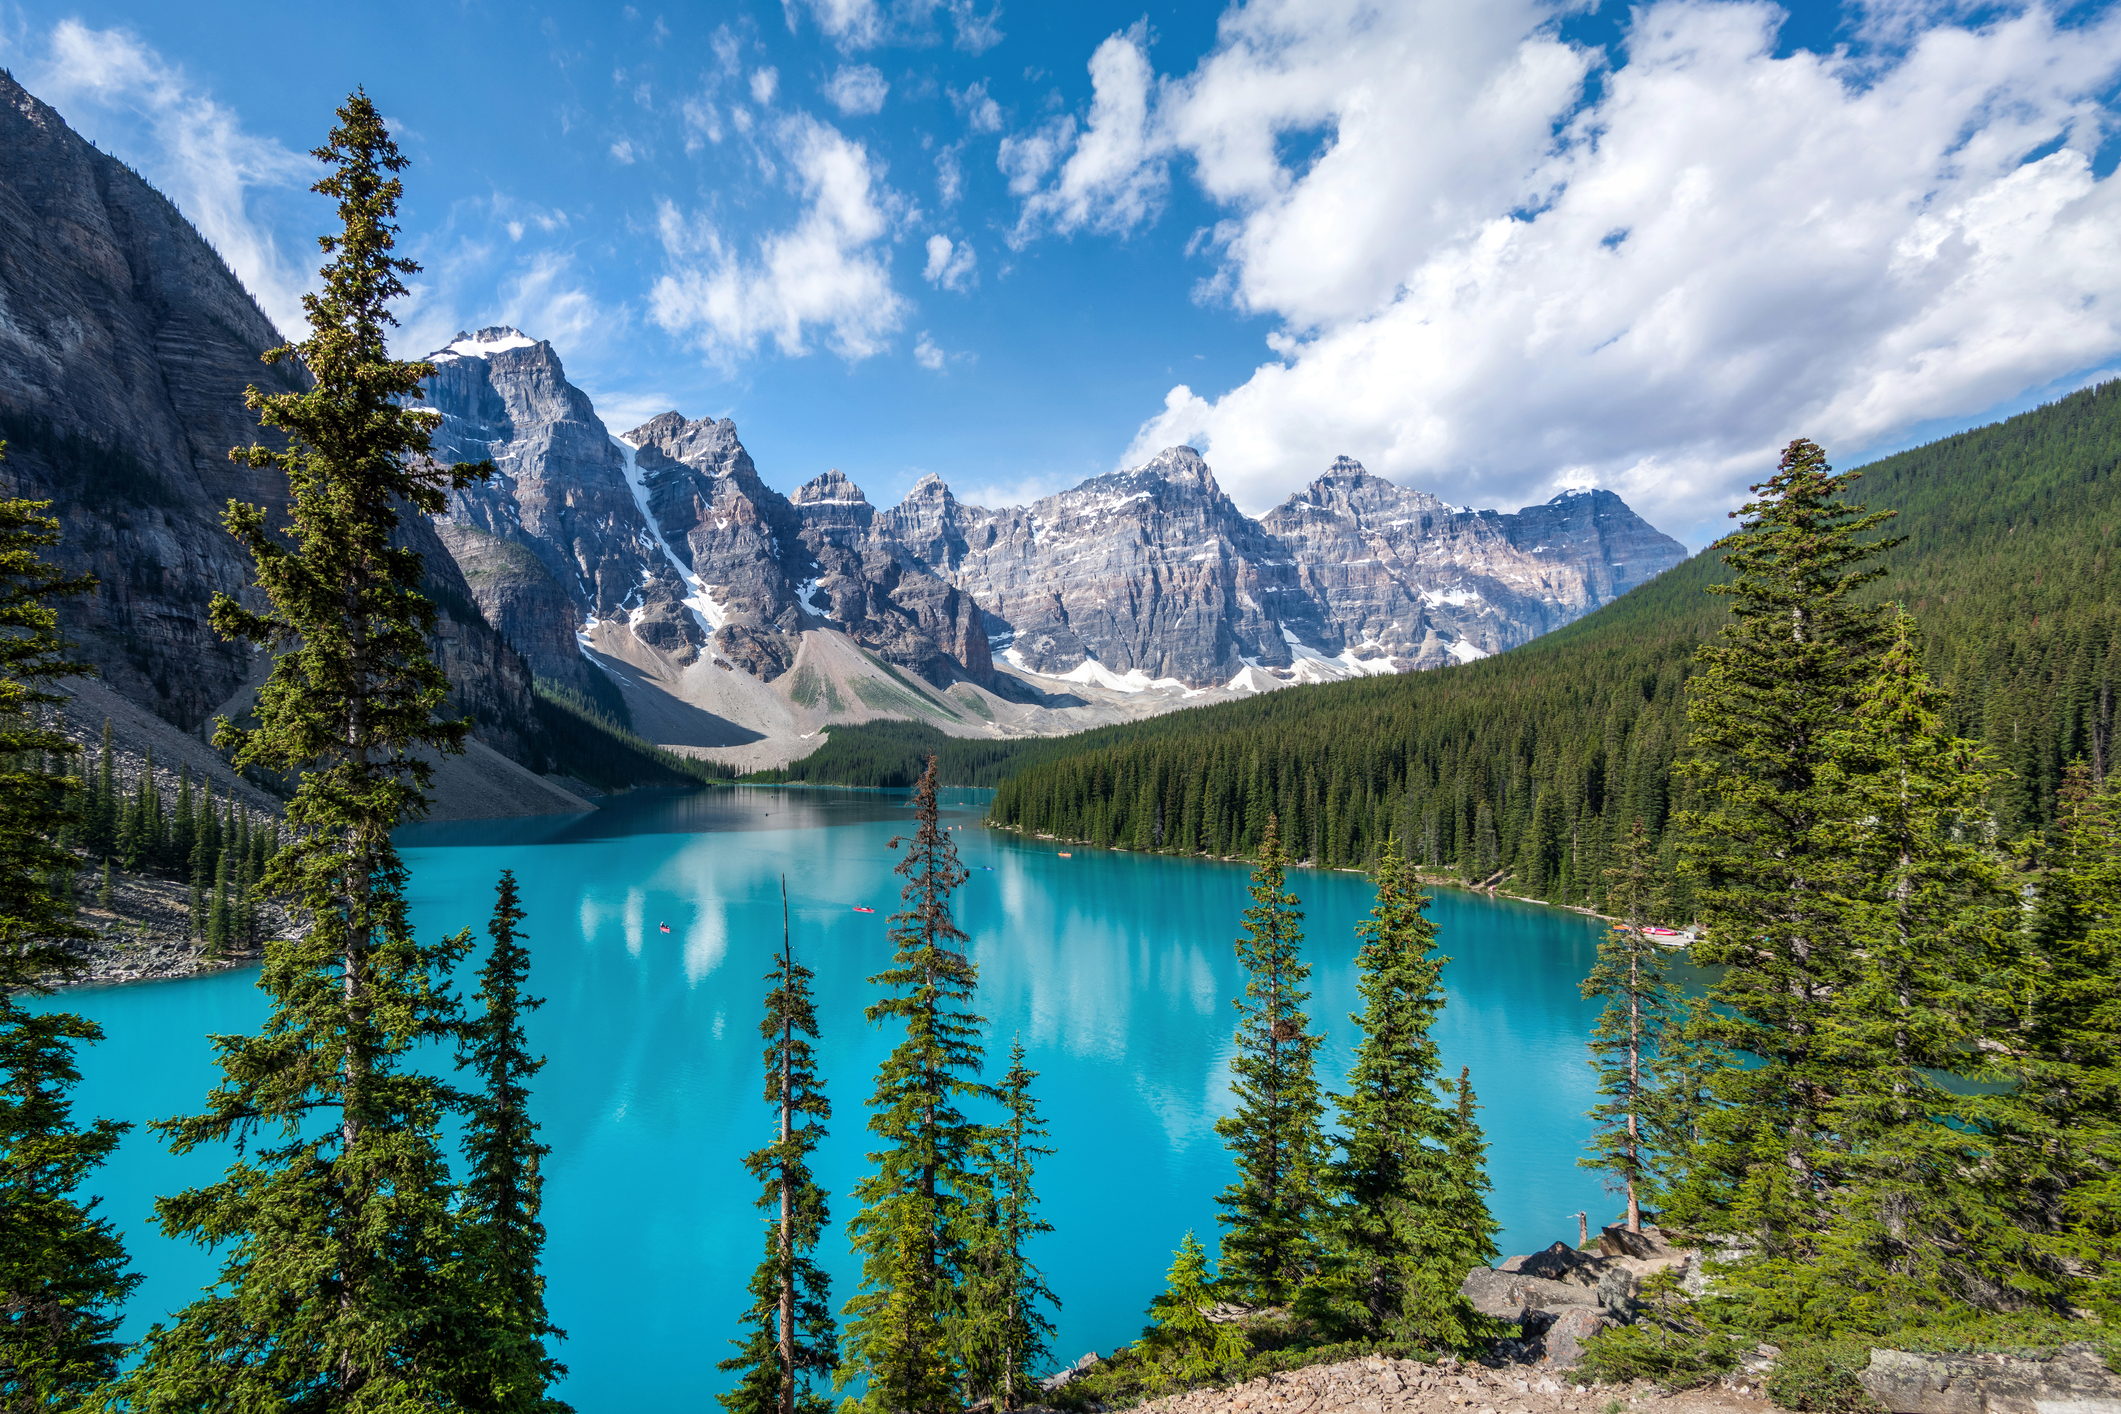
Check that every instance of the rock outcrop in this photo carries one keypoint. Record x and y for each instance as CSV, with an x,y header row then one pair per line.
x,y
2075,1380
126,345
1562,1296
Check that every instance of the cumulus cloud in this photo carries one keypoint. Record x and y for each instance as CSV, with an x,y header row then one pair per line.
x,y
857,90
1495,281
764,84
951,266
1113,176
114,88
825,273
927,355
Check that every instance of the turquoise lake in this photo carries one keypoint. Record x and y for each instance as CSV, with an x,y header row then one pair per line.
x,y
1115,969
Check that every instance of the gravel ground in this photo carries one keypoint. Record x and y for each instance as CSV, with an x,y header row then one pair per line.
x,y
1381,1386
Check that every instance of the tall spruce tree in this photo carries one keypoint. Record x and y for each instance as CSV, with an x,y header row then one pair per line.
x,y
63,1282
2060,1062
1269,1249
1393,1260
335,1223
912,1229
1003,1331
1769,705
791,1339
1642,1008
1921,1222
507,1364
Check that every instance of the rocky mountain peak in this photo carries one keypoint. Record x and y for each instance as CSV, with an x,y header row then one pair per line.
x,y
704,445
501,338
833,486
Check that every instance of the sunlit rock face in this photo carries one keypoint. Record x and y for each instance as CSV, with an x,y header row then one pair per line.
x,y
1144,576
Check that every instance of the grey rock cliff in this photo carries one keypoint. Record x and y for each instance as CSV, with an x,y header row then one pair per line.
x,y
125,348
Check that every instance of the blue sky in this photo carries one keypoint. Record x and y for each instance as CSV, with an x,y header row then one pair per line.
x,y
1493,250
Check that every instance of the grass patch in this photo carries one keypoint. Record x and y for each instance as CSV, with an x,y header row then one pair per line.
x,y
805,688
923,702
972,702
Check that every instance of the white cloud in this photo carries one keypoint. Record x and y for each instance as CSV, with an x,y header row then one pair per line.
x,y
703,124
764,84
982,113
927,355
116,90
852,24
622,151
857,90
976,33
951,266
823,273
949,174
1114,177
1721,251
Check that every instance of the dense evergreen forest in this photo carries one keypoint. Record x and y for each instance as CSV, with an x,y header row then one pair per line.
x,y
1530,766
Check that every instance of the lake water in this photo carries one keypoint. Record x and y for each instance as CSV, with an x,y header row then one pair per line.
x,y
1115,969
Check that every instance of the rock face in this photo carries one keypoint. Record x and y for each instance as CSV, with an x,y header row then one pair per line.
x,y
125,348
2074,1381
556,535
1141,577
1399,573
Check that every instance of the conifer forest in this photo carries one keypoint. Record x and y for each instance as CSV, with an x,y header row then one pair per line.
x,y
1858,756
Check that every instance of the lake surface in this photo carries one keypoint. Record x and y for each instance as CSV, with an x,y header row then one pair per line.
x,y
1115,969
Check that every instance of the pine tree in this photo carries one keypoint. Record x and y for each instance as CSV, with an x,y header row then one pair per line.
x,y
63,1283
62,1271
1003,1332
2060,1116
791,1338
335,1240
1182,1346
102,832
1769,707
506,1366
1462,1217
1269,1250
1924,1218
217,911
103,890
1391,1269
913,1223
1643,1006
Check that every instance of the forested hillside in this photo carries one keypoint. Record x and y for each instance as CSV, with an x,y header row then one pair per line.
x,y
1531,764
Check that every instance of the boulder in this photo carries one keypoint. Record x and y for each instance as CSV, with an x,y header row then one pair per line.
x,y
2074,1380
1566,1336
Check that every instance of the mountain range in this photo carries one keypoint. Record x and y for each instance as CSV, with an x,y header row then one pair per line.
x,y
655,574
660,558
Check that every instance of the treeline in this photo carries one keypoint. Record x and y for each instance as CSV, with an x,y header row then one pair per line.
x,y
220,847
887,754
1532,765
593,745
